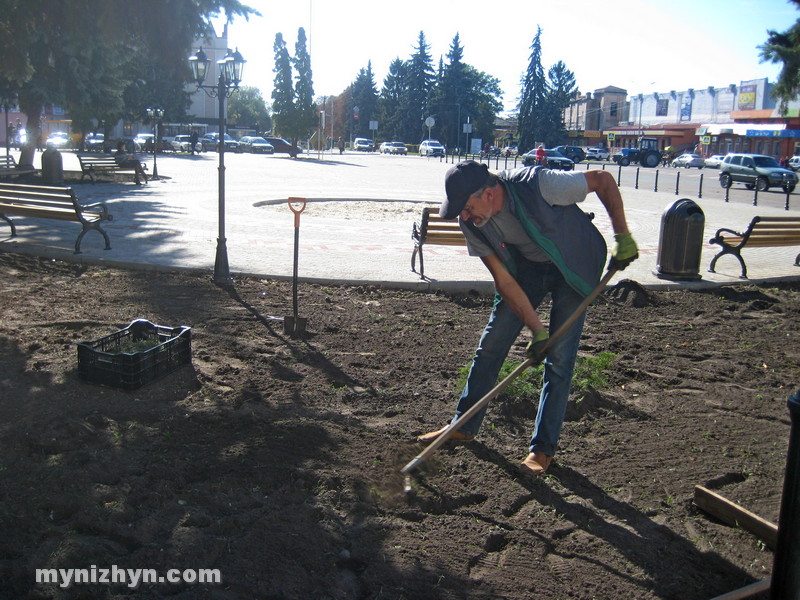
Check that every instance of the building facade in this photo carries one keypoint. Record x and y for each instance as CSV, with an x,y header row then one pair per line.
x,y
711,120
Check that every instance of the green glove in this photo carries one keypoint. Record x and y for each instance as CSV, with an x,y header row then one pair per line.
x,y
535,348
624,251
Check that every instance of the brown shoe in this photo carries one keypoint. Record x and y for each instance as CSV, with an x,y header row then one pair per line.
x,y
536,464
458,436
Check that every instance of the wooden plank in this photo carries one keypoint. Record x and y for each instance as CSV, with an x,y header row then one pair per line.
x,y
733,514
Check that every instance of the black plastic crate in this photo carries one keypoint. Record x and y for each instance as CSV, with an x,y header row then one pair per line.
x,y
110,360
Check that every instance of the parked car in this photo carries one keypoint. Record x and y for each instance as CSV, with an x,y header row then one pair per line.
x,y
363,145
281,146
142,141
794,163
183,143
431,148
714,161
255,144
574,153
210,141
95,142
597,154
689,160
555,160
393,148
756,171
60,140
510,150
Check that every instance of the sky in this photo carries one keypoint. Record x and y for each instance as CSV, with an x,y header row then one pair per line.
x,y
642,46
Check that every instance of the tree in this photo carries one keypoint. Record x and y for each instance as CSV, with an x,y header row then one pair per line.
x,y
419,81
282,91
306,118
248,109
364,95
391,97
784,48
51,56
532,99
293,106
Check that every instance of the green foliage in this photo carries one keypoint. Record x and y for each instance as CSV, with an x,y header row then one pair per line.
x,y
543,100
292,106
247,109
784,47
590,371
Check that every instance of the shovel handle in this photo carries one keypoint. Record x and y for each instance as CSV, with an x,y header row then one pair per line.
x,y
297,211
475,408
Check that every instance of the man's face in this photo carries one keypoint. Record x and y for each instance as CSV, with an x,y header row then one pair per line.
x,y
479,208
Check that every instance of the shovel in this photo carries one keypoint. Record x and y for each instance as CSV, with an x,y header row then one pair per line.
x,y
294,324
456,425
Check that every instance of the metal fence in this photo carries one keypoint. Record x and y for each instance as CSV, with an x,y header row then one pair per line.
x,y
666,180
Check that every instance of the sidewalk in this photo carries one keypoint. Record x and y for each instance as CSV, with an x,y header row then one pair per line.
x,y
173,223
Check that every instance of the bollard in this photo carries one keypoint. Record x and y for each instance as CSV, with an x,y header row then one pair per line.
x,y
700,188
655,185
681,241
786,565
677,182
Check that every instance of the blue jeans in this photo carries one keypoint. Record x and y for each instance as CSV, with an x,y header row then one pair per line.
x,y
536,279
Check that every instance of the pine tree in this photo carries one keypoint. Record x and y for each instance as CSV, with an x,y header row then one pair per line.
x,y
532,99
419,80
305,111
365,96
390,98
282,92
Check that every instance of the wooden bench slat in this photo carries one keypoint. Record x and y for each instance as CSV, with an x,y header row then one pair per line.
x,y
762,232
433,229
52,202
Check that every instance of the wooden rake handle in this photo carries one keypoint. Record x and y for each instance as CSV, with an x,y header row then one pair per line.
x,y
475,408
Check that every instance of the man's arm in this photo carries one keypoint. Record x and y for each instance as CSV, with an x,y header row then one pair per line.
x,y
602,183
512,293
625,250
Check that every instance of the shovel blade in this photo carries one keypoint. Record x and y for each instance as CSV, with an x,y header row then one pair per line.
x,y
294,325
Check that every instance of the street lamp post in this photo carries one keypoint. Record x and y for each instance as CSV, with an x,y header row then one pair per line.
x,y
230,75
155,115
8,100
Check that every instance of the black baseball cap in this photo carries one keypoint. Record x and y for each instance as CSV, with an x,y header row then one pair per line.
x,y
460,182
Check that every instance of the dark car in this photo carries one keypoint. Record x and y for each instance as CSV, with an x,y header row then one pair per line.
x,y
555,160
756,171
281,146
574,153
210,141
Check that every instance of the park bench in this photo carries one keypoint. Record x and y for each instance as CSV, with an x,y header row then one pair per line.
x,y
52,202
10,168
763,232
92,165
433,229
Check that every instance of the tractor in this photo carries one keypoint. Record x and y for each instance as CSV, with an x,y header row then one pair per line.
x,y
646,154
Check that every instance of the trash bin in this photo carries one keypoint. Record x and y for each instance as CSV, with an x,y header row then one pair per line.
x,y
52,166
681,241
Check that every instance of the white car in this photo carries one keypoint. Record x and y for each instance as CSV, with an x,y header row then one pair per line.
x,y
59,139
597,154
393,148
794,163
713,161
689,160
182,143
431,148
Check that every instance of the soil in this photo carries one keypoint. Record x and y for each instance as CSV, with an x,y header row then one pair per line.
x,y
276,459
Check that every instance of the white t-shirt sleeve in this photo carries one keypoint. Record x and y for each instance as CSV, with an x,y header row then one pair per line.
x,y
562,188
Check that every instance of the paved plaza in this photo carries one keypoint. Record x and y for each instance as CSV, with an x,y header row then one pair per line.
x,y
174,222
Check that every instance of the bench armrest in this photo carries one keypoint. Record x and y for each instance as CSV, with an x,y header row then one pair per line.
x,y
105,216
717,239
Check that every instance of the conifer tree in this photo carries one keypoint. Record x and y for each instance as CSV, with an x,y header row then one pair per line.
x,y
282,92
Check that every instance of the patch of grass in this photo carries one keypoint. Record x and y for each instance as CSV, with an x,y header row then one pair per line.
x,y
590,371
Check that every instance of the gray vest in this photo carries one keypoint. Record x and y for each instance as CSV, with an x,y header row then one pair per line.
x,y
564,233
